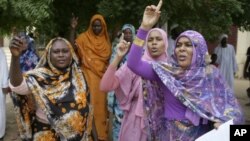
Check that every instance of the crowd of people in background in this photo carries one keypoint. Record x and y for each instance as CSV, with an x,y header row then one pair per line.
x,y
148,85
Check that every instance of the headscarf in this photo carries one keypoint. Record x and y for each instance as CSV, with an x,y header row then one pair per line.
x,y
95,48
29,58
111,96
114,48
222,36
149,91
23,104
153,95
163,57
131,27
201,87
62,95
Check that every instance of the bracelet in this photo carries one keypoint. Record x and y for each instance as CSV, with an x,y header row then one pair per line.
x,y
139,42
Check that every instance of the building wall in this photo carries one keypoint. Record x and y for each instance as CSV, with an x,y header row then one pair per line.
x,y
6,41
243,42
232,39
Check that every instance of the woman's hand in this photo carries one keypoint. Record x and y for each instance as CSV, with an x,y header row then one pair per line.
x,y
74,21
151,16
122,47
17,45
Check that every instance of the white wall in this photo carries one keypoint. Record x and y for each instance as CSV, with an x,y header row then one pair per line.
x,y
6,41
243,42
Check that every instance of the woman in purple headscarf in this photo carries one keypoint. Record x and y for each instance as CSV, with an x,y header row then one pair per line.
x,y
195,94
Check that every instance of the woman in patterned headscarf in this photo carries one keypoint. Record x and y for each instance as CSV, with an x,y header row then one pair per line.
x,y
28,61
59,92
195,93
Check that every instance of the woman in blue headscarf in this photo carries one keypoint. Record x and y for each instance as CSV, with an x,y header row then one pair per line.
x,y
129,33
29,57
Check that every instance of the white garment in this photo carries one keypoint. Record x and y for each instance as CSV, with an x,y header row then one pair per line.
x,y
3,84
227,63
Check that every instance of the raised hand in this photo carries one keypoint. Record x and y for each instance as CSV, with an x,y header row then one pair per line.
x,y
122,47
151,16
17,45
74,21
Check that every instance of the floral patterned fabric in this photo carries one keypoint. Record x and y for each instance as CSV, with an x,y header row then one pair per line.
x,y
63,97
23,105
201,87
29,58
153,102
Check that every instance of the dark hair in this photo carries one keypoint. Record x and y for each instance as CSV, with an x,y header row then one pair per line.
x,y
31,35
213,58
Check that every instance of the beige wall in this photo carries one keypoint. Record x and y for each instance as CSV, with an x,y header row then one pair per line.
x,y
243,42
6,41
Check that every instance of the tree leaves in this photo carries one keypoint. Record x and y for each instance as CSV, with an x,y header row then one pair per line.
x,y
52,17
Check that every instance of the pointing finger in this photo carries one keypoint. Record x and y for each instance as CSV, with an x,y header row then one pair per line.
x,y
128,44
122,37
159,5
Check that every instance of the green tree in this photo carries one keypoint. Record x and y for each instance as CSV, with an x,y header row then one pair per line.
x,y
242,20
49,17
210,17
52,17
22,13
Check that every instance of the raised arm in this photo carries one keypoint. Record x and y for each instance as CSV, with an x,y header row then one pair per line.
x,y
16,48
72,34
109,80
150,18
135,62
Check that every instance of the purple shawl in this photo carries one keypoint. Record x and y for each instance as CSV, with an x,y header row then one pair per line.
x,y
200,87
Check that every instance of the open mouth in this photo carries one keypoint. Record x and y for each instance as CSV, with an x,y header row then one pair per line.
x,y
182,57
153,50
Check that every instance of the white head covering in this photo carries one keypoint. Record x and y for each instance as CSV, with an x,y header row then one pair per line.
x,y
223,36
